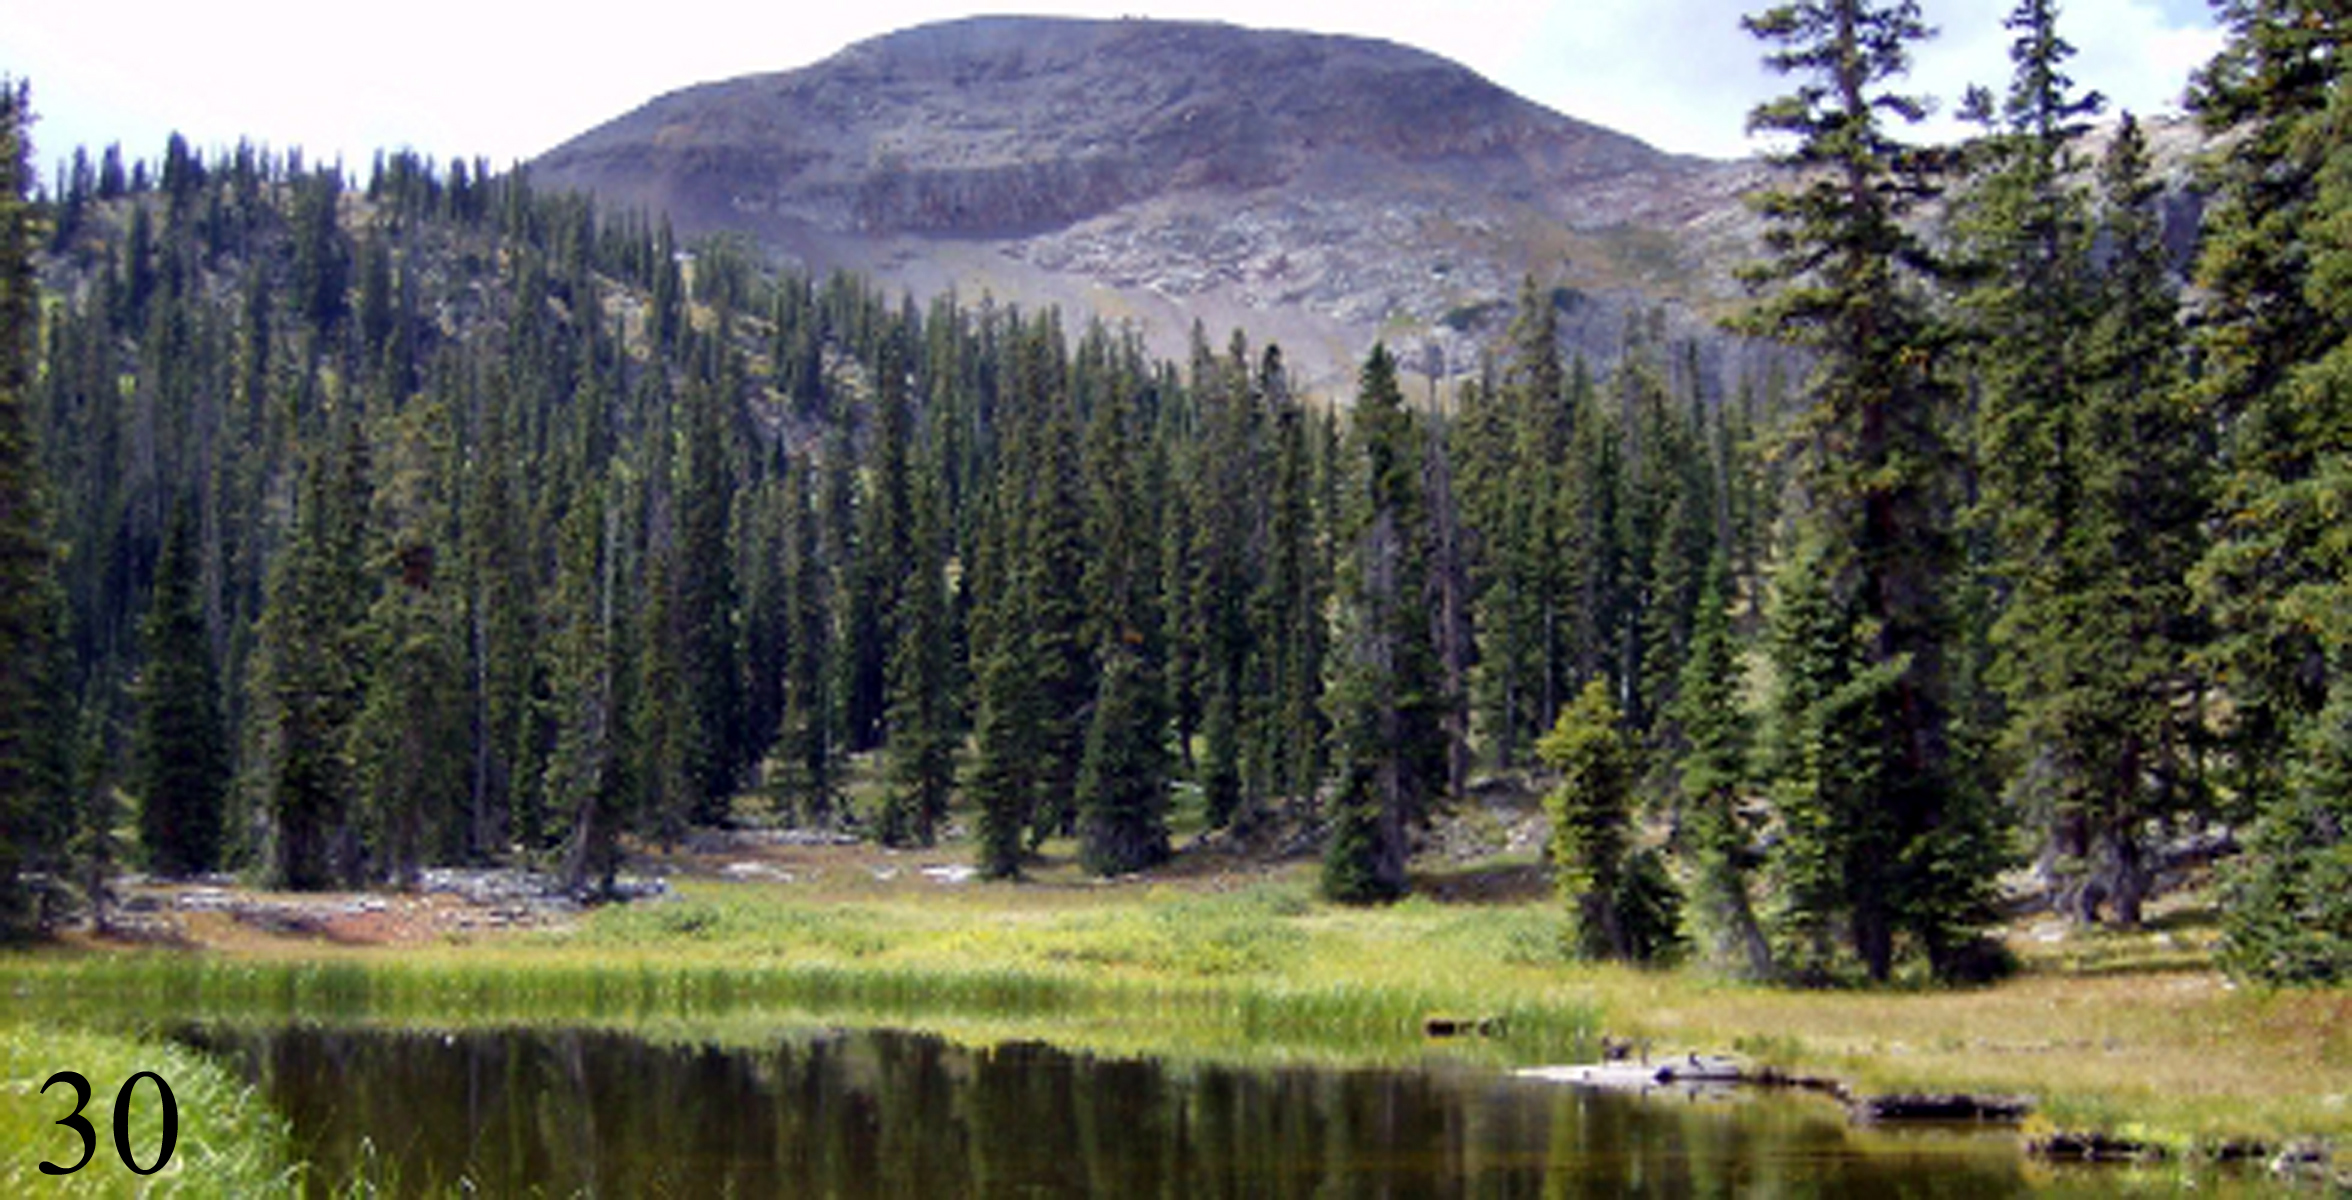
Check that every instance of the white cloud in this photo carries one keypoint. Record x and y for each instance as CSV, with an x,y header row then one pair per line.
x,y
1683,75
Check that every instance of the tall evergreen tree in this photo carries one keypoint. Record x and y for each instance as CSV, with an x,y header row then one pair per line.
x,y
923,734
705,620
1226,519
28,776
2275,346
1123,776
407,784
1008,733
582,670
180,745
1592,819
808,780
664,739
1049,577
1292,595
502,613
1385,704
1878,471
1715,828
2096,470
312,670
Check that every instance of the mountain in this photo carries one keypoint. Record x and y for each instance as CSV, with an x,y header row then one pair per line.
x,y
1314,190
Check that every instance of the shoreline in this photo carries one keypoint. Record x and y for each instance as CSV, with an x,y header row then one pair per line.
x,y
2131,1051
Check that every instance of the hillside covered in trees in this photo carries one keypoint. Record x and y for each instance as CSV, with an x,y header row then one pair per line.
x,y
354,525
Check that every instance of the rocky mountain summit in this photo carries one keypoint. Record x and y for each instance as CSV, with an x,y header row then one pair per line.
x,y
1313,190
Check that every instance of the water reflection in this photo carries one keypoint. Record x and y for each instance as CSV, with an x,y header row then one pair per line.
x,y
586,1112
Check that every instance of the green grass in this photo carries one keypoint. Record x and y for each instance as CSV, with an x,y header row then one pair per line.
x,y
2116,1033
229,1142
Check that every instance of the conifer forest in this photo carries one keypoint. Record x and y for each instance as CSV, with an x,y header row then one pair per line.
x,y
358,521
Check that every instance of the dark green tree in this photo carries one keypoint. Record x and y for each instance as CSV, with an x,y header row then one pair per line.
x,y
502,617
581,776
809,753
1123,780
2286,919
1123,777
408,785
180,745
2276,350
1716,834
1226,519
1592,822
1292,595
30,782
1385,704
1049,578
705,619
923,733
1825,754
1008,724
1878,472
311,669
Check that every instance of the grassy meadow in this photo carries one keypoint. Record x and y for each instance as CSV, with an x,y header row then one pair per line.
x,y
1219,956
2127,1034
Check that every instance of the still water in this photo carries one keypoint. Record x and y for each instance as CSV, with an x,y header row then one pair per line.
x,y
563,1112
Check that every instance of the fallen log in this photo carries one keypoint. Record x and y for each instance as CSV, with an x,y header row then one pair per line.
x,y
2091,1147
1451,1027
1951,1106
1685,1070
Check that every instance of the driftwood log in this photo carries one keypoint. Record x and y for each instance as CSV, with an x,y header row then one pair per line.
x,y
1947,1106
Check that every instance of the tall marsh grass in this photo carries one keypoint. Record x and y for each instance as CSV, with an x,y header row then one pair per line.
x,y
230,1143
1268,973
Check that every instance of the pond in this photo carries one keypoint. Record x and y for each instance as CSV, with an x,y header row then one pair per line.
x,y
566,1111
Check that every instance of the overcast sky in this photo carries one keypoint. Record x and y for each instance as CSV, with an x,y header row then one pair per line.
x,y
506,80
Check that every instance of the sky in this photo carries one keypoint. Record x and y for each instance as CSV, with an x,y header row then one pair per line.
x,y
505,80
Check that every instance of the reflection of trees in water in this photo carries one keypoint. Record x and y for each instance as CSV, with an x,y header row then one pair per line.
x,y
560,1112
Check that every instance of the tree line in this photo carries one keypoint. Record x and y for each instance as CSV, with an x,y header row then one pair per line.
x,y
355,528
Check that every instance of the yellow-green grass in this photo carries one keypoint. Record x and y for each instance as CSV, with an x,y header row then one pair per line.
x,y
230,1143
2132,1036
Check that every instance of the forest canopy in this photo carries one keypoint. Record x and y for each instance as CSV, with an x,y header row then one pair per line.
x,y
352,526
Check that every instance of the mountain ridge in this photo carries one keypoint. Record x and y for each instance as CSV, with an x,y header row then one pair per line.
x,y
1319,190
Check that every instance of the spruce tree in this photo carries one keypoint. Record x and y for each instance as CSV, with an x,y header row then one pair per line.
x,y
582,782
1226,517
1293,592
704,622
2275,346
1824,762
1386,706
29,780
1878,474
1050,578
923,735
2096,471
2286,917
413,711
1008,723
502,614
1123,780
1591,809
1123,776
810,754
180,746
312,670
664,739
1715,830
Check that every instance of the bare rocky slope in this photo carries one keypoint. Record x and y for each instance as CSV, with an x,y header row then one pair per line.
x,y
1317,191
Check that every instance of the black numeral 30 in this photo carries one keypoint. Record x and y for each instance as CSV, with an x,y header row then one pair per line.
x,y
122,1122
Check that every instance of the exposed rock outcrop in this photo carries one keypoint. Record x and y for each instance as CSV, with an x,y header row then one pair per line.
x,y
1319,191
